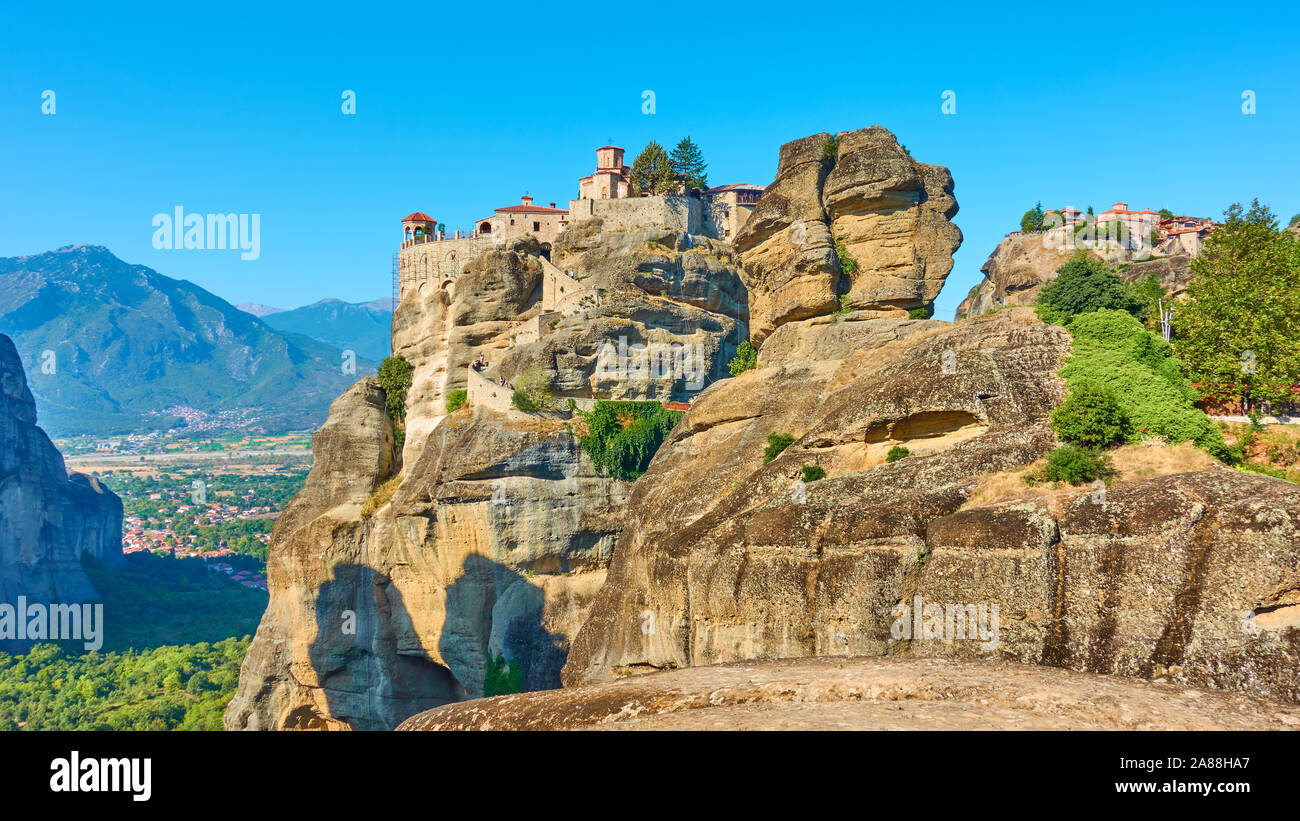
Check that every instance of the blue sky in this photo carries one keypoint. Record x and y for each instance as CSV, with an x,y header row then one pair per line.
x,y
462,108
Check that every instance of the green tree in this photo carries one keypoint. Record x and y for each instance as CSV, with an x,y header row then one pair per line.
x,y
456,400
1082,285
688,162
1239,332
1166,214
896,452
395,378
1033,219
746,359
652,170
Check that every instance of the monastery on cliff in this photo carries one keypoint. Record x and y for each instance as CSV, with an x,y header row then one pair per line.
x,y
428,252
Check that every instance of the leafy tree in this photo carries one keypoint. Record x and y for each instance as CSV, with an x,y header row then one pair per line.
x,y
652,170
1148,292
1033,219
1082,285
622,437
395,379
688,162
1239,332
1166,214
1295,220
811,473
456,400
776,442
746,359
896,452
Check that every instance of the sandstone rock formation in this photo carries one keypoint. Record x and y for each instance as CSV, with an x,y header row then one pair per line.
x,y
493,544
48,517
866,694
862,190
1155,581
398,580
654,287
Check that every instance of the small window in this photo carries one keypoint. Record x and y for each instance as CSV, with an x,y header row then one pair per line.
x,y
537,226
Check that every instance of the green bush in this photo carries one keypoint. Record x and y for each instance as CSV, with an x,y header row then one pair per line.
x,y
395,379
622,437
812,473
1092,417
1074,464
523,401
895,453
533,391
847,263
456,400
1111,348
776,442
501,678
746,359
920,313
1083,285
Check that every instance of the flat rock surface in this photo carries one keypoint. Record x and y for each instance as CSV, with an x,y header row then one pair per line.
x,y
866,694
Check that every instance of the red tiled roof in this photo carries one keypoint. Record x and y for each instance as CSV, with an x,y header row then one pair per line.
x,y
418,216
531,209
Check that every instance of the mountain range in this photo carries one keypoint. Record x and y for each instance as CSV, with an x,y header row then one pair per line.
x,y
112,347
362,327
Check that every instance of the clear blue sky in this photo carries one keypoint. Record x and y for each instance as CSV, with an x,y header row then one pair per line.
x,y
462,107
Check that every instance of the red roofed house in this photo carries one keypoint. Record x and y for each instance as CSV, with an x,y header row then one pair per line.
x,y
1137,224
512,221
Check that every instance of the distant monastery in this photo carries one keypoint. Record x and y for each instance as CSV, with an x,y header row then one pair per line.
x,y
430,257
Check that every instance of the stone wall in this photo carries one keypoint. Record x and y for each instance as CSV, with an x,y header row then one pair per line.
x,y
672,211
483,392
433,262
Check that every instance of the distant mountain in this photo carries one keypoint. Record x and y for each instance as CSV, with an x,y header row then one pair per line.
x,y
258,310
112,347
363,327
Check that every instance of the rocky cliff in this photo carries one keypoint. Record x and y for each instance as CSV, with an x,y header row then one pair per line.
x,y
403,580
48,517
859,191
1022,264
1187,578
867,694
